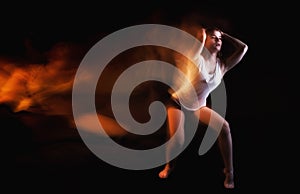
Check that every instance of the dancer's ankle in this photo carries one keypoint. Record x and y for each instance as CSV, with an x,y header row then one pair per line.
x,y
229,179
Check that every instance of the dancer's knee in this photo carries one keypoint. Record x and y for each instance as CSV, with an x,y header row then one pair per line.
x,y
225,129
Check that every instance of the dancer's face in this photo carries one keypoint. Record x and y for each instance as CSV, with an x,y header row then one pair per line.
x,y
214,41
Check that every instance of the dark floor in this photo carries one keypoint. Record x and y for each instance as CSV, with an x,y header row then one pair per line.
x,y
53,158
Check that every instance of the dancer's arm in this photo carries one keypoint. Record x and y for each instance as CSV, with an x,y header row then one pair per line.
x,y
240,48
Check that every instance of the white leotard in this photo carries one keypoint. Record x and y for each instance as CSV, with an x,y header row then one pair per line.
x,y
203,84
208,82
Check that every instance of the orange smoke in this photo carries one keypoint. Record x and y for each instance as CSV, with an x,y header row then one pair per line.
x,y
42,88
46,88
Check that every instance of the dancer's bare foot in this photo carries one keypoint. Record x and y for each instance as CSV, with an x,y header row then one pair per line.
x,y
165,172
229,179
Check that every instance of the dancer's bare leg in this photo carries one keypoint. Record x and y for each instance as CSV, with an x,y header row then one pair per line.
x,y
206,114
175,122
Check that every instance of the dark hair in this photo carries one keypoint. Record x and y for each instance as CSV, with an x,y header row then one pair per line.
x,y
211,29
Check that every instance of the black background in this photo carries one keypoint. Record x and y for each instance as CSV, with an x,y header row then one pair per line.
x,y
262,106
